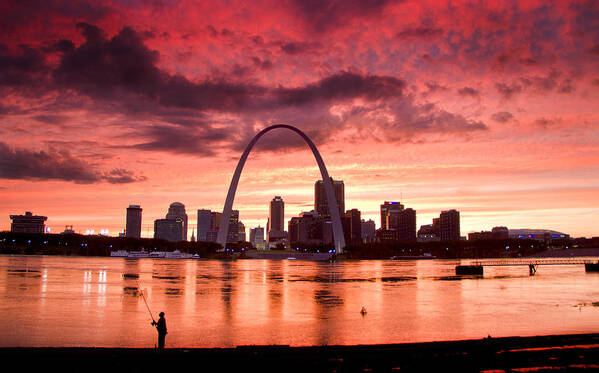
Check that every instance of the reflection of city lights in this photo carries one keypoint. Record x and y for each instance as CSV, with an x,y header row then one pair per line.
x,y
104,232
89,232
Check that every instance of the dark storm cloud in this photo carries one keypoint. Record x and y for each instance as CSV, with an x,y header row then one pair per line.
x,y
324,15
262,64
545,122
542,83
21,14
51,118
296,48
54,165
508,91
23,67
121,176
100,67
528,61
434,87
342,86
420,33
182,140
502,116
121,74
468,91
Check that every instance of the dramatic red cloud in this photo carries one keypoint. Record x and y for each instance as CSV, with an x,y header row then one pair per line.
x,y
486,107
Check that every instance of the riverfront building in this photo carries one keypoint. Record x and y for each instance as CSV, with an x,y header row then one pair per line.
x,y
27,223
257,238
168,229
133,224
449,225
368,231
276,222
497,233
203,224
397,222
352,226
176,211
321,205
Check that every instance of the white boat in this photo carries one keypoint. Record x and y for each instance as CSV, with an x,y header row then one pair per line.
x,y
178,255
157,254
139,254
153,254
119,253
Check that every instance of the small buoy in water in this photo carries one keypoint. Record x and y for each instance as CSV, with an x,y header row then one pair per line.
x,y
363,311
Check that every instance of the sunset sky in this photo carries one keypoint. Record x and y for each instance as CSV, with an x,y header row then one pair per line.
x,y
487,107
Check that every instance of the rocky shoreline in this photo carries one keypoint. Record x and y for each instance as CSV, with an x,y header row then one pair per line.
x,y
542,353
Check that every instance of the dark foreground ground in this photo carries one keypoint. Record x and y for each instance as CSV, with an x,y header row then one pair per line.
x,y
518,354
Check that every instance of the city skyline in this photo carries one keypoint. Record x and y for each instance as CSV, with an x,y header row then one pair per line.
x,y
494,116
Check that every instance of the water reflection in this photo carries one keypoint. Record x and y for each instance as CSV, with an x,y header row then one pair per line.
x,y
63,301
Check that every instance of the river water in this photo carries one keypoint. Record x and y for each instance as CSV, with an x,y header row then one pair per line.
x,y
86,301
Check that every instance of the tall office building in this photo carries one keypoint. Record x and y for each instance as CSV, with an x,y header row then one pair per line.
x,y
133,225
215,219
352,226
276,223
321,205
449,225
406,227
168,229
241,236
176,211
204,220
27,223
389,215
233,233
276,215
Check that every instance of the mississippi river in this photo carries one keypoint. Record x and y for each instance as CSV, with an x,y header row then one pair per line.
x,y
86,301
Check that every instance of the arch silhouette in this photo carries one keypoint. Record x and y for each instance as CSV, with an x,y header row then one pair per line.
x,y
338,237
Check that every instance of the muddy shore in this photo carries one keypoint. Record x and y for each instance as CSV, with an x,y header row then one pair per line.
x,y
542,353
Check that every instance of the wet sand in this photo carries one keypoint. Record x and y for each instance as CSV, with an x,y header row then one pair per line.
x,y
543,353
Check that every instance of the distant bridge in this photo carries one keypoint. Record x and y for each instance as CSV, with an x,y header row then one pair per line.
x,y
475,267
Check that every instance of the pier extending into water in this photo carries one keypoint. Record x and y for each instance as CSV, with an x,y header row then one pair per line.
x,y
591,264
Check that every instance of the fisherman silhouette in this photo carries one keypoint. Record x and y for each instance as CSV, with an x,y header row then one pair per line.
x,y
161,327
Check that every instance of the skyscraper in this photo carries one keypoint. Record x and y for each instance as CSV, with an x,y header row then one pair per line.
x,y
352,226
215,219
389,214
203,224
320,198
177,211
276,216
449,225
241,236
276,223
133,225
233,233
406,227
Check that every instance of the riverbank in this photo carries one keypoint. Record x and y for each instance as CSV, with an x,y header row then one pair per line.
x,y
541,353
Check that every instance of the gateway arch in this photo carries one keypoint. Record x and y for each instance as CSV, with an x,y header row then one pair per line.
x,y
328,187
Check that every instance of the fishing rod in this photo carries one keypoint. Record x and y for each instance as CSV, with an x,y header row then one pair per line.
x,y
141,292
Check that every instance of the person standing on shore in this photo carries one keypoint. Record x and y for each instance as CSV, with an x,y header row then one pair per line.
x,y
161,327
